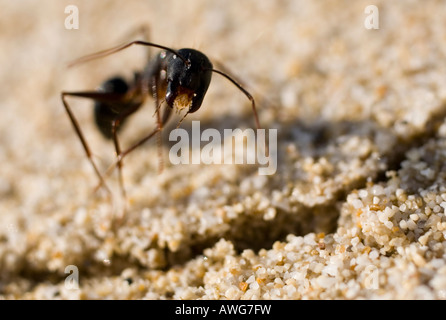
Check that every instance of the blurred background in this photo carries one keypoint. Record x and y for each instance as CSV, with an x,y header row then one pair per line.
x,y
315,70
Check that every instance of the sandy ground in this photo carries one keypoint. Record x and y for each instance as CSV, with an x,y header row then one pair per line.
x,y
355,209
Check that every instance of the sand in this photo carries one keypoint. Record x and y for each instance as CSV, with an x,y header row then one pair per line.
x,y
355,210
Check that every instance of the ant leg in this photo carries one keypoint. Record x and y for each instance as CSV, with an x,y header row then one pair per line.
x,y
165,118
115,125
159,125
159,138
97,96
149,83
79,133
114,129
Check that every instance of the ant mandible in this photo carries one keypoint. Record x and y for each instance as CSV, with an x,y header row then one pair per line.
x,y
178,77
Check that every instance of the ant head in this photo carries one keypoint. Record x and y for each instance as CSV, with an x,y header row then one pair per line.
x,y
188,79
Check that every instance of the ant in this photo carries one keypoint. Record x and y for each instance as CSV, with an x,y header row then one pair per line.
x,y
180,78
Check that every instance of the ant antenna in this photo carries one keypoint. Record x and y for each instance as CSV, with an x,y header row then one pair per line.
x,y
250,97
107,52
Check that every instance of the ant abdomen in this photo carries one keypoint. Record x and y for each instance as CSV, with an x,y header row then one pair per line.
x,y
106,113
